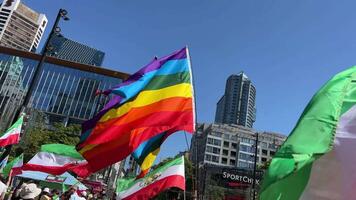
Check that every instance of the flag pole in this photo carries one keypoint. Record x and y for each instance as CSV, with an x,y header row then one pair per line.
x,y
192,81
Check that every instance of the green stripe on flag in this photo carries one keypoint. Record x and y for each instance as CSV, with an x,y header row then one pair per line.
x,y
124,184
162,81
312,137
7,169
62,149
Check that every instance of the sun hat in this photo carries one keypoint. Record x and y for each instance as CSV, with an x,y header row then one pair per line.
x,y
30,191
46,190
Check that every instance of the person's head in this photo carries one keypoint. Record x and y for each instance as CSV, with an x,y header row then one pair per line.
x,y
55,192
73,188
46,191
84,194
30,191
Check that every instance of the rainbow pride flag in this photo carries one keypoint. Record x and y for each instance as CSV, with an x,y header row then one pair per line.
x,y
158,98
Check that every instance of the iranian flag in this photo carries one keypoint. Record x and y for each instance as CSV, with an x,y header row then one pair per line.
x,y
318,159
56,159
167,176
14,167
12,135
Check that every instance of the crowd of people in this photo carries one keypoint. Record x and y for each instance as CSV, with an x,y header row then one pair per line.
x,y
30,190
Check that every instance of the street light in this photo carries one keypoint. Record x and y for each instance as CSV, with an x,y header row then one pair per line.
x,y
62,13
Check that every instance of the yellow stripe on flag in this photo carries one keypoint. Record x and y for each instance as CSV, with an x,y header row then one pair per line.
x,y
149,97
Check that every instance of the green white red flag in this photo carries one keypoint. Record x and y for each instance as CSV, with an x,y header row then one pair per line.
x,y
58,158
12,135
318,160
14,167
167,176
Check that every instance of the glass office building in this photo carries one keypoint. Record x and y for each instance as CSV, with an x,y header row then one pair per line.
x,y
67,49
65,91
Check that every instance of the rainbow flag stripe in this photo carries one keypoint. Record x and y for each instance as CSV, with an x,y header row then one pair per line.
x,y
145,155
158,98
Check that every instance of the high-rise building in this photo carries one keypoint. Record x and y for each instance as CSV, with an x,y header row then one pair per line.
x,y
70,50
233,145
225,154
237,105
20,27
64,93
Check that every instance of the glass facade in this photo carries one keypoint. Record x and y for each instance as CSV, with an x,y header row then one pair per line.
x,y
64,93
67,49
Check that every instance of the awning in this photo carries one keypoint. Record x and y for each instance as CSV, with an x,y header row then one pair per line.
x,y
65,178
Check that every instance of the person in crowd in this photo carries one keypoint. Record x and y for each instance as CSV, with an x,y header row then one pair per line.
x,y
83,195
3,187
17,190
30,191
90,197
46,195
73,193
55,194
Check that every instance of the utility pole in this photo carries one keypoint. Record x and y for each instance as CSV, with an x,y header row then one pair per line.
x,y
255,168
62,13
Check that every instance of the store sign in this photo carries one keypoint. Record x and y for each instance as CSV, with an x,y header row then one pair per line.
x,y
239,178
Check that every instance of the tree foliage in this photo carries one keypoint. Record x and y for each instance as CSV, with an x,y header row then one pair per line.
x,y
35,136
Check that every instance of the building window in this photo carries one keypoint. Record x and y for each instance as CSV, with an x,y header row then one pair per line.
x,y
234,145
264,152
224,160
215,159
216,150
217,142
226,144
263,159
233,153
247,157
210,141
243,164
232,162
209,149
225,152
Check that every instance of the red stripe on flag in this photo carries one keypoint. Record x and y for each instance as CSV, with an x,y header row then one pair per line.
x,y
158,119
158,187
118,147
56,170
11,139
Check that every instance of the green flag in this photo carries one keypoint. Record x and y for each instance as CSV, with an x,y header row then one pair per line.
x,y
317,161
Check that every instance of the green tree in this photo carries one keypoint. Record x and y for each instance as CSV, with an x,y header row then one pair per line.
x,y
35,136
214,192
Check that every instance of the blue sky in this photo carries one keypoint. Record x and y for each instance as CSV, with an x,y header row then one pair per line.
x,y
287,48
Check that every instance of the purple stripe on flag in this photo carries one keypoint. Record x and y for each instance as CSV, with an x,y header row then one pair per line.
x,y
153,65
